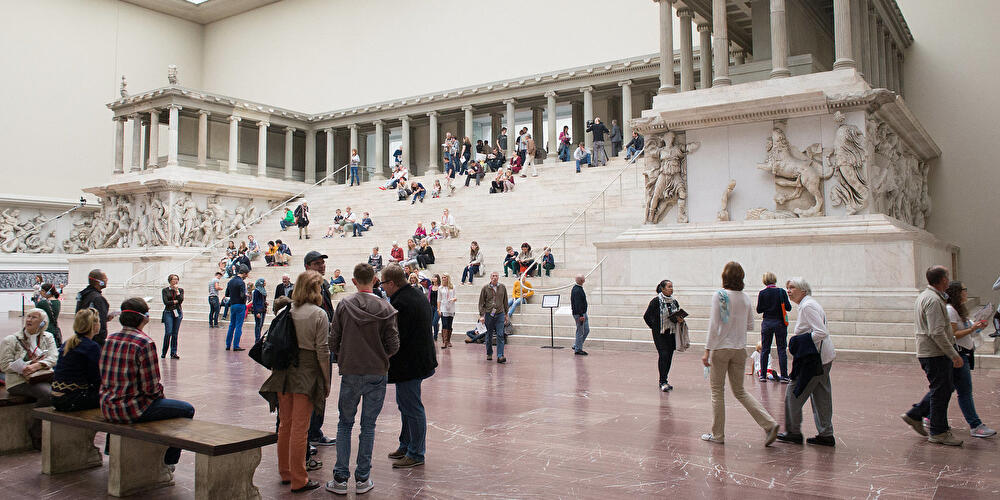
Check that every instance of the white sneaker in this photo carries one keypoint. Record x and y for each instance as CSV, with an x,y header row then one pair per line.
x,y
665,387
337,487
709,437
982,432
364,486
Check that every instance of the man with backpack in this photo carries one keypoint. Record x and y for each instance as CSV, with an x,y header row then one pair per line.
x,y
599,130
302,218
363,335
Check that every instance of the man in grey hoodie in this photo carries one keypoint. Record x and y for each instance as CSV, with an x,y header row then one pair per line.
x,y
363,335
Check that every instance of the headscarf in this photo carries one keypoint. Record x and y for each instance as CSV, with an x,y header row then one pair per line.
x,y
259,286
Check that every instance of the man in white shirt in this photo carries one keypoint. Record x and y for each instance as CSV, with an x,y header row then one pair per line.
x,y
448,228
351,224
581,156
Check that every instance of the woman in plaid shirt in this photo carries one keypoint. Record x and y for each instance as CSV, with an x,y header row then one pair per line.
x,y
130,376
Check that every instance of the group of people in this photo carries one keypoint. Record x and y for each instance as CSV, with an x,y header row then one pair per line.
x,y
349,222
298,217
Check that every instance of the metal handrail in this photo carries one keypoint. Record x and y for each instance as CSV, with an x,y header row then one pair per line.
x,y
600,264
230,235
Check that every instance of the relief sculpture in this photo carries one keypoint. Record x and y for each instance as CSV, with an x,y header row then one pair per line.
x,y
847,160
796,170
666,177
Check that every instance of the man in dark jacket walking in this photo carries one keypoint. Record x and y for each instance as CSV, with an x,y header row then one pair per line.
x,y
91,297
578,303
364,335
414,362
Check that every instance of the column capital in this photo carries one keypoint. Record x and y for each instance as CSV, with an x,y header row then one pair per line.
x,y
120,119
378,123
172,107
510,101
588,88
432,113
234,118
624,83
328,130
353,127
551,93
135,116
685,12
204,112
290,130
705,27
263,124
405,119
467,107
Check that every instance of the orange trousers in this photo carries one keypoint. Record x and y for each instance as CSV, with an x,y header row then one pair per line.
x,y
294,411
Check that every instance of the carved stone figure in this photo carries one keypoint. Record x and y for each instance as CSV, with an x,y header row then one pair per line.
x,y
158,219
847,160
190,219
239,221
897,178
666,177
761,213
172,74
798,170
723,214
121,89
177,223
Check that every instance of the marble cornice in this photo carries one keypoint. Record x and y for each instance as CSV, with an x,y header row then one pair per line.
x,y
196,181
893,19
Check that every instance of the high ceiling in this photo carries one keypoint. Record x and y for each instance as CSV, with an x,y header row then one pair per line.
x,y
208,11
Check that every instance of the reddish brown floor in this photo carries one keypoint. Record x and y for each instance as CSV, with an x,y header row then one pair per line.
x,y
553,425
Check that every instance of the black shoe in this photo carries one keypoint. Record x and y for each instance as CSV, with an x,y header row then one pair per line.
x,y
501,360
238,349
489,357
786,437
995,334
396,455
174,356
822,441
311,485
312,450
227,348
581,352
162,356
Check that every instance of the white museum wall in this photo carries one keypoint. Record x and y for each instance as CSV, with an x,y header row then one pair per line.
x,y
320,55
948,81
65,60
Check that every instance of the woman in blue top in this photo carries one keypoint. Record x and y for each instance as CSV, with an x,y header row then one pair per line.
x,y
77,379
258,306
773,303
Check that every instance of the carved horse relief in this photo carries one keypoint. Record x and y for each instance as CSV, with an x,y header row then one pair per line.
x,y
797,175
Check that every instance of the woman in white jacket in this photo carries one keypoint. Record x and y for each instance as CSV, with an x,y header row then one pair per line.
x,y
446,308
725,354
25,353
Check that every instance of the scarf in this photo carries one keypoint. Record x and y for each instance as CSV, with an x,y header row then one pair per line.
x,y
259,286
667,307
724,306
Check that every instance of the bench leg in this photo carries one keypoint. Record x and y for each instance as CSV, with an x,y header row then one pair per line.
x,y
136,466
226,476
66,448
14,422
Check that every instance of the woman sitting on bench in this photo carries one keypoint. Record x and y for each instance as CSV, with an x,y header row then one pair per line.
x,y
77,379
24,357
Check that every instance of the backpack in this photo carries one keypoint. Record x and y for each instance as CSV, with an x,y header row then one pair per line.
x,y
278,349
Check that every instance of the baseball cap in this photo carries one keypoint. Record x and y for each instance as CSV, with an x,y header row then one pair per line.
x,y
313,256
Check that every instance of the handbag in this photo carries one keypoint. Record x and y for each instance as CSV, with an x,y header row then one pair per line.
x,y
41,376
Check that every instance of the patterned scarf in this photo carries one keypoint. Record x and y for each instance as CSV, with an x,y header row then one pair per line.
x,y
724,309
667,307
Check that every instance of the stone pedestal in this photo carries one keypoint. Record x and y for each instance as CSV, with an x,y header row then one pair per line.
x,y
14,421
66,449
136,466
226,476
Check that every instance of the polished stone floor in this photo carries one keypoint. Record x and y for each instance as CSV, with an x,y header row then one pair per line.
x,y
552,425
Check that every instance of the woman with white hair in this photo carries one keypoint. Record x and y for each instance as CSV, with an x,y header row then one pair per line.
x,y
27,358
809,384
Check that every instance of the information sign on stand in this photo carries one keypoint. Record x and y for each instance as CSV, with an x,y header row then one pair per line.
x,y
551,302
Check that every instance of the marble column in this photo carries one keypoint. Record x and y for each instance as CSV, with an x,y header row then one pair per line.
x,y
377,172
536,127
875,71
899,72
779,41
262,148
857,31
468,122
405,120
495,123
842,35
202,137
153,145
434,144
893,67
173,136
687,50
553,137
510,127
328,133
119,166
880,53
720,43
705,54
145,144
863,49
310,165
289,134
354,138
577,126
588,113
136,164
626,86
234,143
666,47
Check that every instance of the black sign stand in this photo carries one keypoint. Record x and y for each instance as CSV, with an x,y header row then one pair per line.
x,y
551,302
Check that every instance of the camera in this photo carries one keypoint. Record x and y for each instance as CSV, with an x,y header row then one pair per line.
x,y
590,122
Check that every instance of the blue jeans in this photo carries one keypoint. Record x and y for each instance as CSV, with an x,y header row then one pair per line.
x,y
494,326
369,390
225,308
420,195
564,152
435,320
284,224
512,305
963,386
239,313
213,310
354,176
776,329
585,159
469,272
164,409
414,432
582,330
171,325
258,324
476,337
631,152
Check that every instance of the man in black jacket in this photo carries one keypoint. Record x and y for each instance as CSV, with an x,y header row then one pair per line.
x,y
414,362
578,303
91,297
616,138
634,146
599,131
315,261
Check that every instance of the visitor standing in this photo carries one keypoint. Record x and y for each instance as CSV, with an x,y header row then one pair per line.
x,y
414,362
565,144
810,329
316,261
302,219
214,285
446,308
236,292
578,304
284,289
969,336
616,138
354,164
661,319
599,130
173,297
773,303
91,297
502,139
258,306
938,358
364,335
492,309
301,389
725,355
432,297
48,301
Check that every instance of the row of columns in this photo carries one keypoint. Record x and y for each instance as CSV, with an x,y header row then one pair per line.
x,y
152,140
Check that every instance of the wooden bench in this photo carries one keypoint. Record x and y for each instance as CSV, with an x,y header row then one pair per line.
x,y
226,456
15,414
